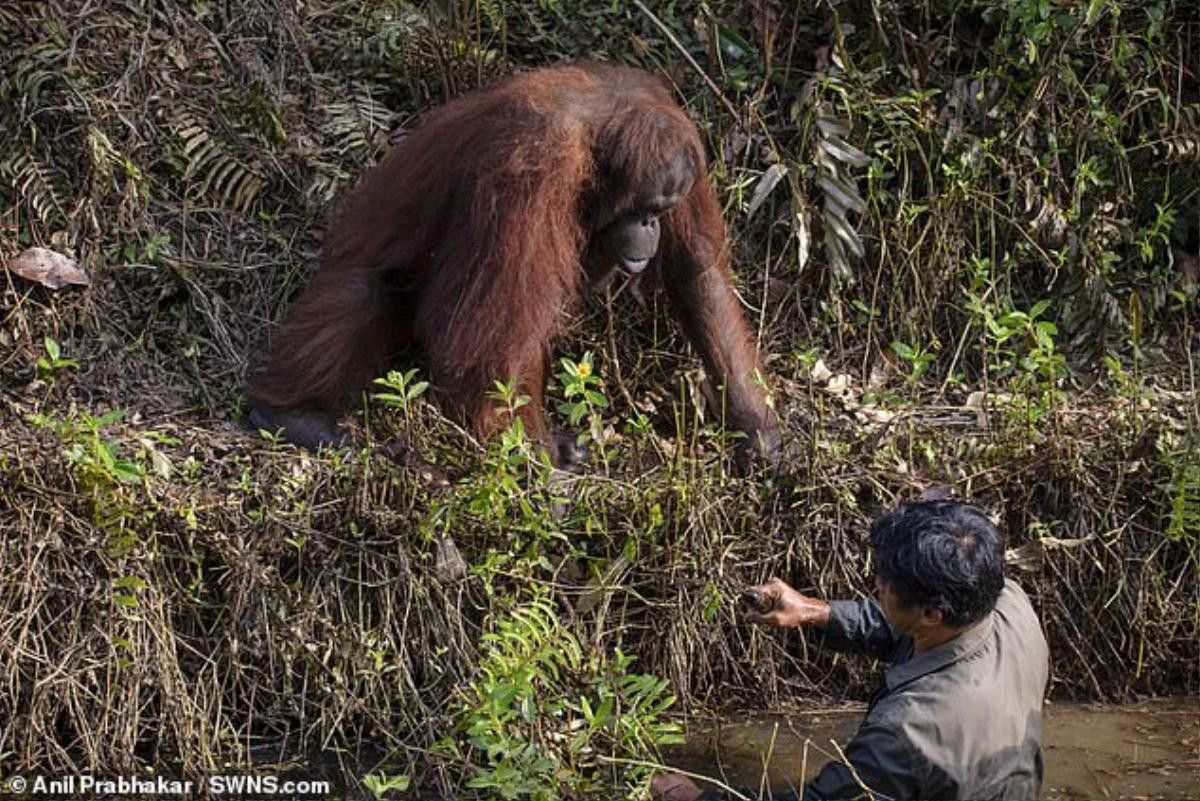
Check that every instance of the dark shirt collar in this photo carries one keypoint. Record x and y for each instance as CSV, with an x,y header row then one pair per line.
x,y
966,644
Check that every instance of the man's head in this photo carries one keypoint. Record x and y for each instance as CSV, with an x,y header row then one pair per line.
x,y
940,562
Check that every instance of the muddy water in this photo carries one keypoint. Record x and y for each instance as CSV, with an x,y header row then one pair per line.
x,y
1134,752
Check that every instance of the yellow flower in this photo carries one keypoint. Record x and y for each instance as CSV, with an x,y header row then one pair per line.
x,y
583,370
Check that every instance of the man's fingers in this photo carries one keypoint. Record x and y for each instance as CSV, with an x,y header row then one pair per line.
x,y
769,619
761,604
773,587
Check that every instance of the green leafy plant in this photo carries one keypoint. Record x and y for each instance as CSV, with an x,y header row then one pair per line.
x,y
1184,493
404,388
126,589
511,457
584,397
114,483
94,457
380,784
1155,237
147,253
548,719
917,358
511,491
1021,347
53,362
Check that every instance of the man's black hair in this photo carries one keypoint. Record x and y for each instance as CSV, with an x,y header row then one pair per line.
x,y
943,554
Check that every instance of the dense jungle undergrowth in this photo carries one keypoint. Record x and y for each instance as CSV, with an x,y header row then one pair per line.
x,y
965,232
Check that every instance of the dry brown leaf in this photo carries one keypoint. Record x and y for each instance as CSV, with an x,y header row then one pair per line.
x,y
49,268
820,372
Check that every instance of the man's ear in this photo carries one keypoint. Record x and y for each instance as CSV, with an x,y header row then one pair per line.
x,y
931,616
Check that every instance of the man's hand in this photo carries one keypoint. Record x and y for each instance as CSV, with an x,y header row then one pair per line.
x,y
785,608
673,787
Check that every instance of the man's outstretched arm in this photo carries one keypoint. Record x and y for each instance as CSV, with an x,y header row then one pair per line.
x,y
847,625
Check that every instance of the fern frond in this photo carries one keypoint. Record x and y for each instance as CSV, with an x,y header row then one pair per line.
x,y
37,184
212,171
1184,490
37,65
841,198
492,11
351,129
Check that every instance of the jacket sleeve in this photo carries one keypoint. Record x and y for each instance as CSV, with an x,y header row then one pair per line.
x,y
880,765
860,626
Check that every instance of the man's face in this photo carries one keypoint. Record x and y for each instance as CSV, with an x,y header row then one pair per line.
x,y
912,620
899,616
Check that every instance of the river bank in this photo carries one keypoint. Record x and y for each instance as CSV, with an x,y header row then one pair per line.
x,y
1148,750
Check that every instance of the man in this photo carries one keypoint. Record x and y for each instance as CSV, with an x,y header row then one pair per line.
x,y
959,714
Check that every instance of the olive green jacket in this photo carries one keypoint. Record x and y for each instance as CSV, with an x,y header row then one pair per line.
x,y
959,721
